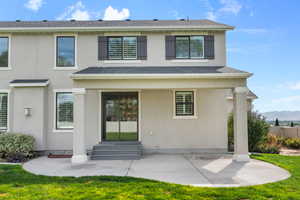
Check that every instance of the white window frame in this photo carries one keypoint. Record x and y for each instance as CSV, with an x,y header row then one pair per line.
x,y
55,130
8,110
195,116
9,53
65,68
191,59
135,60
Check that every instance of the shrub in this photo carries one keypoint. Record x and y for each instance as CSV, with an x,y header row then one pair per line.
x,y
293,143
268,148
16,147
258,130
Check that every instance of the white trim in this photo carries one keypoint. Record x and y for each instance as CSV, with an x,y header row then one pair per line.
x,y
54,130
113,34
8,108
122,61
106,29
200,60
79,91
29,84
195,116
9,53
65,68
100,115
140,115
160,76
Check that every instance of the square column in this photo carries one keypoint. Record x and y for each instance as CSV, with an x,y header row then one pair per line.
x,y
79,151
241,152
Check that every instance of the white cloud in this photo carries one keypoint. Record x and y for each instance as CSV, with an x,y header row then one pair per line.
x,y
114,14
289,99
34,5
76,11
227,7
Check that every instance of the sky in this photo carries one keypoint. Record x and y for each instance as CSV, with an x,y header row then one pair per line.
x,y
265,41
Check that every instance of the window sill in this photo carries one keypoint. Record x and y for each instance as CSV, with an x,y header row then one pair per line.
x,y
62,131
185,117
190,60
121,61
65,68
5,68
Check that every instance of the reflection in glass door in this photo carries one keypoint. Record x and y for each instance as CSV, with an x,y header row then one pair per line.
x,y
120,116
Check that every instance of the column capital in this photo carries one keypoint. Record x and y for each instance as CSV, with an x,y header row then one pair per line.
x,y
240,90
78,91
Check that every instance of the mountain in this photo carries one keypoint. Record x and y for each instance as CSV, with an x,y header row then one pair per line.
x,y
282,115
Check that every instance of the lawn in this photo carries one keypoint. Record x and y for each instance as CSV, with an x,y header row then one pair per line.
x,y
15,183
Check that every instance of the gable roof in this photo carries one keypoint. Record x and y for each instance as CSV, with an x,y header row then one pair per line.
x,y
114,25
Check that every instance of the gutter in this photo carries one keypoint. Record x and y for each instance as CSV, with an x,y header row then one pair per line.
x,y
159,76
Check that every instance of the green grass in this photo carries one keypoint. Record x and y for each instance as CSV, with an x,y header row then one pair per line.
x,y
15,183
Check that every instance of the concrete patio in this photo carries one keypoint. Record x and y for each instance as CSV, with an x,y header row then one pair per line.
x,y
193,169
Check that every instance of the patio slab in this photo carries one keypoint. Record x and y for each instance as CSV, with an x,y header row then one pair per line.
x,y
191,169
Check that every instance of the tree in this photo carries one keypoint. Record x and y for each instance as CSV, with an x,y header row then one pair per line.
x,y
292,124
277,122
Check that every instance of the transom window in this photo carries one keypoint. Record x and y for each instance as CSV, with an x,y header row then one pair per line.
x,y
3,111
189,47
65,51
4,45
122,48
184,103
64,110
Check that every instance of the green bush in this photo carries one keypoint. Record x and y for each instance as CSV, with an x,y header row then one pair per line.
x,y
268,148
258,130
16,147
293,143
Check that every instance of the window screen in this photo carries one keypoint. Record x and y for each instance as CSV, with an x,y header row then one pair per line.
x,y
184,103
4,51
64,110
189,47
3,111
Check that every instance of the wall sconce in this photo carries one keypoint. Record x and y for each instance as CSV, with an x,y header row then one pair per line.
x,y
27,112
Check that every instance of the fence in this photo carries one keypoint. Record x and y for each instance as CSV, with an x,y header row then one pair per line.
x,y
285,131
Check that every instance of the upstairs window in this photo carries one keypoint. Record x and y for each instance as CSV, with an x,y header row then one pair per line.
x,y
184,103
64,110
65,51
3,111
189,47
4,45
122,48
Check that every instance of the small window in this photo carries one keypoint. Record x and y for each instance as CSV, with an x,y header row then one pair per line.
x,y
3,111
189,47
65,51
64,110
122,48
184,101
4,45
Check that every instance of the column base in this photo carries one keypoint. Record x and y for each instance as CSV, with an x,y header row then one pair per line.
x,y
241,158
79,159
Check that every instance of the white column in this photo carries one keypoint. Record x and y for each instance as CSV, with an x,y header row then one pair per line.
x,y
241,153
79,151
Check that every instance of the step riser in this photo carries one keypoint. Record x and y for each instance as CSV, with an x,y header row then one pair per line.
x,y
116,152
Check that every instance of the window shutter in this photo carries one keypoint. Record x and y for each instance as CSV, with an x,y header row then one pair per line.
x,y
142,47
209,47
3,111
170,47
102,48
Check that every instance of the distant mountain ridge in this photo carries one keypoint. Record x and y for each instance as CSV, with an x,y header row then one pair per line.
x,y
282,115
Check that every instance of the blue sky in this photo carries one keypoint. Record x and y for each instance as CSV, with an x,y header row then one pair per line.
x,y
265,42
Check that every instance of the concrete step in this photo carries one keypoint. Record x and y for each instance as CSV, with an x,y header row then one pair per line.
x,y
117,147
105,152
116,157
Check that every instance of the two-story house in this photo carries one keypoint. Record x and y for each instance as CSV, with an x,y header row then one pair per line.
x,y
162,85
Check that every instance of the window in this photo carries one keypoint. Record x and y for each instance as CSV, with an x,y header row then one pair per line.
x,y
3,111
65,51
184,103
189,47
122,48
64,110
4,45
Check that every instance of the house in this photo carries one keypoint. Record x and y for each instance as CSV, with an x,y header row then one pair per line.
x,y
160,84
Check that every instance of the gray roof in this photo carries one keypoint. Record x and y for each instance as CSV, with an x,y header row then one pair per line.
x,y
115,23
159,70
29,81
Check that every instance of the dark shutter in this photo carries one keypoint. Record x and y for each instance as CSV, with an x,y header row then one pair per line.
x,y
209,47
102,48
142,48
170,47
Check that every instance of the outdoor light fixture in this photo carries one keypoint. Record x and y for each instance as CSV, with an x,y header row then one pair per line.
x,y
27,112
